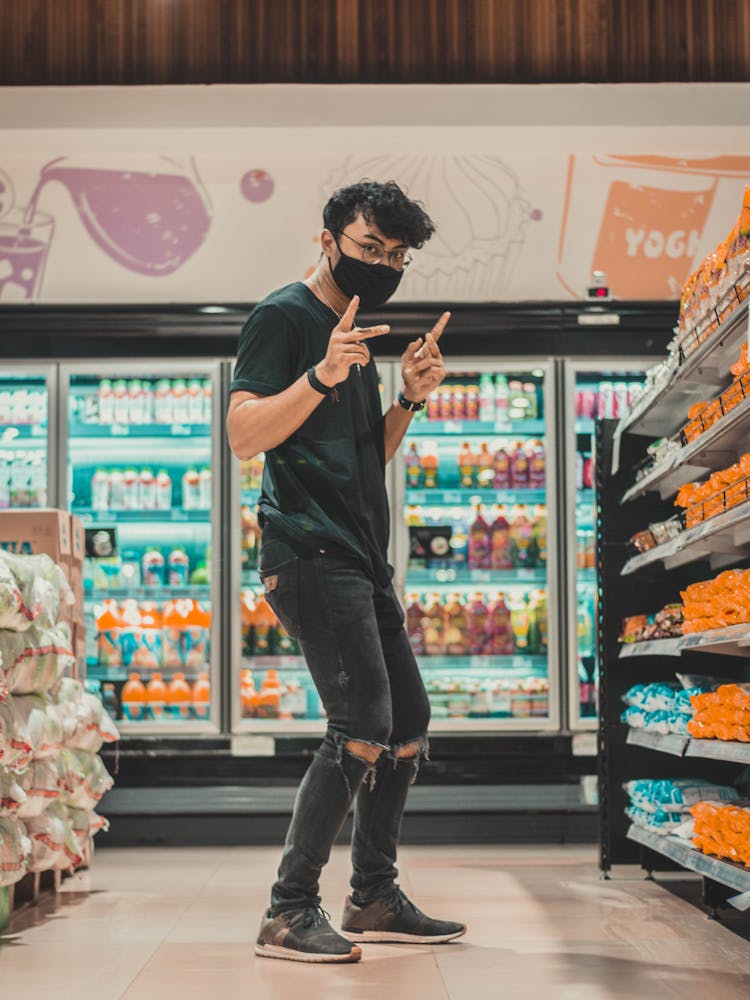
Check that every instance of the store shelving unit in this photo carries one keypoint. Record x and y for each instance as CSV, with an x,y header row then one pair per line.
x,y
646,582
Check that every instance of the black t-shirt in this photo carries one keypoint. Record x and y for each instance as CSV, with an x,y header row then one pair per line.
x,y
326,483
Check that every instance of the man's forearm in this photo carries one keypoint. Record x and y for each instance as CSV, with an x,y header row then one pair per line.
x,y
397,421
256,425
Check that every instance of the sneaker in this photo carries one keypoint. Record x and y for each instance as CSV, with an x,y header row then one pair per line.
x,y
396,918
303,936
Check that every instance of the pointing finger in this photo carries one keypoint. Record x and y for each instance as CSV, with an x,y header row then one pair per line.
x,y
369,331
347,320
440,325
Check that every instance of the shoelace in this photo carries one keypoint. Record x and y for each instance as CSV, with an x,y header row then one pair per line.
x,y
397,899
309,917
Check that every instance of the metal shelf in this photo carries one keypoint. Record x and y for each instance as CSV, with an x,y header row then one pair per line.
x,y
734,640
652,647
737,877
474,577
465,497
663,411
11,434
671,743
526,663
685,746
165,593
80,432
175,516
476,428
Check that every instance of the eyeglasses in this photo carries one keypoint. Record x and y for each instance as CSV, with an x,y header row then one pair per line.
x,y
399,260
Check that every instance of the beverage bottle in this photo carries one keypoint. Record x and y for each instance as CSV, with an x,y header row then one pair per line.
x,y
116,490
179,697
520,622
136,408
537,466
502,399
147,490
100,490
202,697
180,401
106,402
430,463
620,390
501,542
415,616
500,629
634,393
413,467
163,490
539,603
197,636
434,627
173,634
433,405
153,567
517,402
191,496
268,702
195,401
485,468
37,407
446,401
606,401
579,471
588,472
20,475
250,536
459,539
472,402
520,538
148,401
486,399
133,698
20,407
121,403
539,535
179,567
156,696
502,475
585,627
466,466
530,394
38,482
456,627
131,489
264,622
109,701
4,480
247,694
458,410
150,650
108,627
480,555
414,516
519,467
163,402
478,621
207,392
204,488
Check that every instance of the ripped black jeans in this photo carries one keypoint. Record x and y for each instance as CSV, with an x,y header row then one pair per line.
x,y
356,648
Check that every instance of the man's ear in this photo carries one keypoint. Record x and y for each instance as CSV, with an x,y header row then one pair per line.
x,y
328,243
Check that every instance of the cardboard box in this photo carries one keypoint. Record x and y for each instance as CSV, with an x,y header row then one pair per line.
x,y
79,650
77,540
33,532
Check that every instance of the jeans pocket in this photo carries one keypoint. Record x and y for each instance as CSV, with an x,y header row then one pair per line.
x,y
281,586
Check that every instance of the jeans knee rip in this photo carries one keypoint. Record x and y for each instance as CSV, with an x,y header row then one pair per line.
x,y
422,744
369,766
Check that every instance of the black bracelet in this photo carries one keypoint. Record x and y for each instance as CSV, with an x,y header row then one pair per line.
x,y
318,386
409,404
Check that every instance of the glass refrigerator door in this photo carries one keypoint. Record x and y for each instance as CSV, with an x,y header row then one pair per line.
x,y
28,403
143,447
477,575
273,689
591,390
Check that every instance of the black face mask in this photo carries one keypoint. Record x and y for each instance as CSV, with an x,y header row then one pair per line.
x,y
374,283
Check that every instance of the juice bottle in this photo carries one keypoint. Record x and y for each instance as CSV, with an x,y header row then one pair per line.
x,y
532,408
502,398
517,402
539,535
268,699
486,399
247,694
131,489
156,696
477,614
520,623
501,557
116,490
446,401
434,627
413,467
179,697
264,623
133,698
520,538
459,539
131,634
519,467
197,635
537,466
195,401
456,627
458,410
149,652
499,627
202,697
480,555
472,402
147,490
136,408
153,567
180,401
106,402
179,567
109,625
205,479
433,406
415,629
120,401
466,466
173,626
485,468
501,480
148,402
191,490
430,463
163,402
163,490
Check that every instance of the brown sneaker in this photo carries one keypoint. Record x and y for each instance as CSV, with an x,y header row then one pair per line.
x,y
396,918
303,936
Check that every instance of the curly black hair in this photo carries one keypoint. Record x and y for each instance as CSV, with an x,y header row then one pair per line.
x,y
395,215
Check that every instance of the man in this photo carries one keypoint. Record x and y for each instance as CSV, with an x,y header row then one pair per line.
x,y
305,391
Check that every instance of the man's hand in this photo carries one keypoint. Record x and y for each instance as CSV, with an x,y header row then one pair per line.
x,y
346,347
422,367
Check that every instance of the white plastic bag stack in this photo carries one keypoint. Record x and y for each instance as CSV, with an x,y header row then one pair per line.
x,y
50,729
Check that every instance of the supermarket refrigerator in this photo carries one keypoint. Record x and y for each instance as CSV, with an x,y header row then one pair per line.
x,y
592,389
141,464
28,436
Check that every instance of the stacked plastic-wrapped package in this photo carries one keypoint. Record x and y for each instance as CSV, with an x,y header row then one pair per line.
x,y
50,729
665,805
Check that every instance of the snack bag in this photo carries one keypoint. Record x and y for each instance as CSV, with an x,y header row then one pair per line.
x,y
36,659
15,847
39,783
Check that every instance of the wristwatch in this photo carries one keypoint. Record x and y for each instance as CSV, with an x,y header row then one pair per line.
x,y
409,404
318,386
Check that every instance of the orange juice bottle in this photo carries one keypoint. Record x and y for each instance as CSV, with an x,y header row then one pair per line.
x,y
430,463
202,697
247,694
108,625
150,651
434,627
196,635
173,623
156,696
133,698
264,623
467,464
179,697
456,627
485,468
269,697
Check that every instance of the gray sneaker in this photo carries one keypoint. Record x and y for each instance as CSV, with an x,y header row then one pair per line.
x,y
303,936
395,918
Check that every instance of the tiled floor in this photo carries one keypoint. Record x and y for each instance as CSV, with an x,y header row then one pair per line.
x,y
162,924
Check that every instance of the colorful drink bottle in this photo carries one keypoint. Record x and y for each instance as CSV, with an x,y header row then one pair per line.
x,y
202,697
485,468
109,625
502,557
478,619
467,463
480,556
179,567
413,468
415,629
133,698
499,628
501,480
179,698
156,696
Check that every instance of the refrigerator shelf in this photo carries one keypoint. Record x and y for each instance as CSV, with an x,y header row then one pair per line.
x,y
734,640
195,591
726,872
470,577
100,672
585,498
529,664
467,497
11,434
107,517
652,647
687,746
476,428
80,432
584,426
663,411
671,743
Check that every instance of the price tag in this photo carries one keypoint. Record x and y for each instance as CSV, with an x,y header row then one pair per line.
x,y
180,430
454,427
417,496
179,515
451,496
120,430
